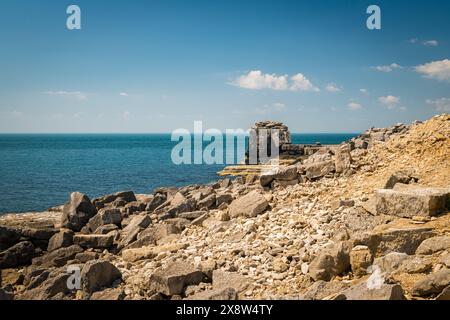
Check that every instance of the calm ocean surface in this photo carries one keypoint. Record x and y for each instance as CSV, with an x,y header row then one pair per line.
x,y
39,171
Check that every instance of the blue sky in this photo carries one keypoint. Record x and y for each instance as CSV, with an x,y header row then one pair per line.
x,y
154,66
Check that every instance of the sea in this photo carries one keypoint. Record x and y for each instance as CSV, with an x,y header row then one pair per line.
x,y
39,171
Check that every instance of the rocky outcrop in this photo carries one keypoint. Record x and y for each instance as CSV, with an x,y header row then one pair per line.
x,y
77,212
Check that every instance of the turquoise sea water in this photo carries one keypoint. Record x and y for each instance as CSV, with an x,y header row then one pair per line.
x,y
39,171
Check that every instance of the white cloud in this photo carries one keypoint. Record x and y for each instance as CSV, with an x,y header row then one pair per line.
x,y
354,106
75,94
256,80
301,83
439,70
388,68
431,43
442,104
390,101
12,114
124,94
413,40
364,91
332,87
279,106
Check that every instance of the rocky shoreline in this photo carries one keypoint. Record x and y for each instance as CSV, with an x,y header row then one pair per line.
x,y
366,220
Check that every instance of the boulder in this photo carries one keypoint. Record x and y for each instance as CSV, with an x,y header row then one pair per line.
x,y
55,284
38,234
412,202
157,200
149,252
343,158
207,203
95,241
130,232
134,207
191,215
433,283
223,198
320,290
8,237
223,279
250,205
105,216
360,260
319,169
433,245
107,228
224,294
58,257
383,292
288,173
77,212
126,196
403,176
331,262
97,274
18,255
172,279
108,295
61,240
397,236
390,262
159,231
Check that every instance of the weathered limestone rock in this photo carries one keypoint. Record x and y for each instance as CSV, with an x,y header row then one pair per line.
x,y
320,290
57,258
215,294
107,228
397,236
435,244
126,196
412,202
174,278
108,295
96,241
8,237
390,262
331,262
97,274
105,216
434,283
207,203
17,255
222,198
343,158
157,200
191,215
250,205
319,169
222,279
136,254
55,284
280,174
383,292
404,177
60,240
38,234
77,212
130,232
360,260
